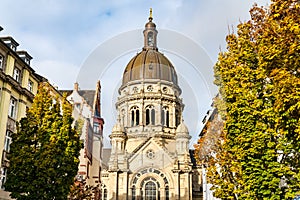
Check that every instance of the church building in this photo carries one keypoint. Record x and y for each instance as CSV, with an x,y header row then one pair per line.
x,y
150,157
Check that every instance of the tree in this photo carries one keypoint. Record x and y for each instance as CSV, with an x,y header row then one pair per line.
x,y
259,83
80,190
44,152
210,137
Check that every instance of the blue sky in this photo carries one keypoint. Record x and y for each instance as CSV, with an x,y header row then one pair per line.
x,y
60,35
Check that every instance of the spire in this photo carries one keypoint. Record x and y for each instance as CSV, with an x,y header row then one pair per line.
x,y
150,34
150,15
118,127
182,128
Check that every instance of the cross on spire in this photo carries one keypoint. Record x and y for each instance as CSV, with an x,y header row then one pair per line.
x,y
150,16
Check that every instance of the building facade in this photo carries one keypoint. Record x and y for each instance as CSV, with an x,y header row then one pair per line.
x,y
88,121
18,85
149,156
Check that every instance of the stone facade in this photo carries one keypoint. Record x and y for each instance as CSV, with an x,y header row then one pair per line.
x,y
149,157
87,115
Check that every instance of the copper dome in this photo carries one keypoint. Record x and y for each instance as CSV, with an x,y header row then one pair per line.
x,y
150,24
149,64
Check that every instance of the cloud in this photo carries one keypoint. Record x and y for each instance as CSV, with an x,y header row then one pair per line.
x,y
207,22
58,73
60,35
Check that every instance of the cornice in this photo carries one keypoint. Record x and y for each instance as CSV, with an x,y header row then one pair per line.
x,y
16,86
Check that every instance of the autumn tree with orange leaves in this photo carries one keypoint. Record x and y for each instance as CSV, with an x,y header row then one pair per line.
x,y
259,84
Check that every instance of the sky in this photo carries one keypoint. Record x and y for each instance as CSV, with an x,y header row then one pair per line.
x,y
62,35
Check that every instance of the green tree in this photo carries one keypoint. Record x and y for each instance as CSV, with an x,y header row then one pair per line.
x,y
44,152
259,83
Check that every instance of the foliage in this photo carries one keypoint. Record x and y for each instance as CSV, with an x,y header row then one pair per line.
x,y
259,82
211,136
82,191
44,152
79,125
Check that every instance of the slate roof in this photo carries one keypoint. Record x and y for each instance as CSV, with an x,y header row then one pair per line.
x,y
106,155
88,95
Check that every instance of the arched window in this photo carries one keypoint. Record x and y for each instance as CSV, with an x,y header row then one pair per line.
x,y
165,117
150,191
150,40
135,116
167,192
150,115
177,119
104,193
133,192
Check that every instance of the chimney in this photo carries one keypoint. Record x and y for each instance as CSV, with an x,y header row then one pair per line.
x,y
76,86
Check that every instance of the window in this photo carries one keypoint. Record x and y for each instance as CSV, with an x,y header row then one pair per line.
x,y
150,39
150,88
177,117
12,108
150,154
7,141
30,85
1,61
27,60
13,47
135,116
105,194
17,74
150,191
135,90
96,128
165,116
167,192
133,192
3,177
77,106
150,115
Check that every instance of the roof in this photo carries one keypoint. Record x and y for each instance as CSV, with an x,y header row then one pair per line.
x,y
106,155
149,64
88,95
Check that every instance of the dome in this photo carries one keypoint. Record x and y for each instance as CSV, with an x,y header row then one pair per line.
x,y
149,64
150,24
118,127
182,128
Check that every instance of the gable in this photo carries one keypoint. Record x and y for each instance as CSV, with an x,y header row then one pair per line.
x,y
151,154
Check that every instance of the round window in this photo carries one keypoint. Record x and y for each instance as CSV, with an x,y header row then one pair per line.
x,y
150,88
150,154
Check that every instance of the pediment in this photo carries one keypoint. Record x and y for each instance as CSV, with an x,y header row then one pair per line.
x,y
150,153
